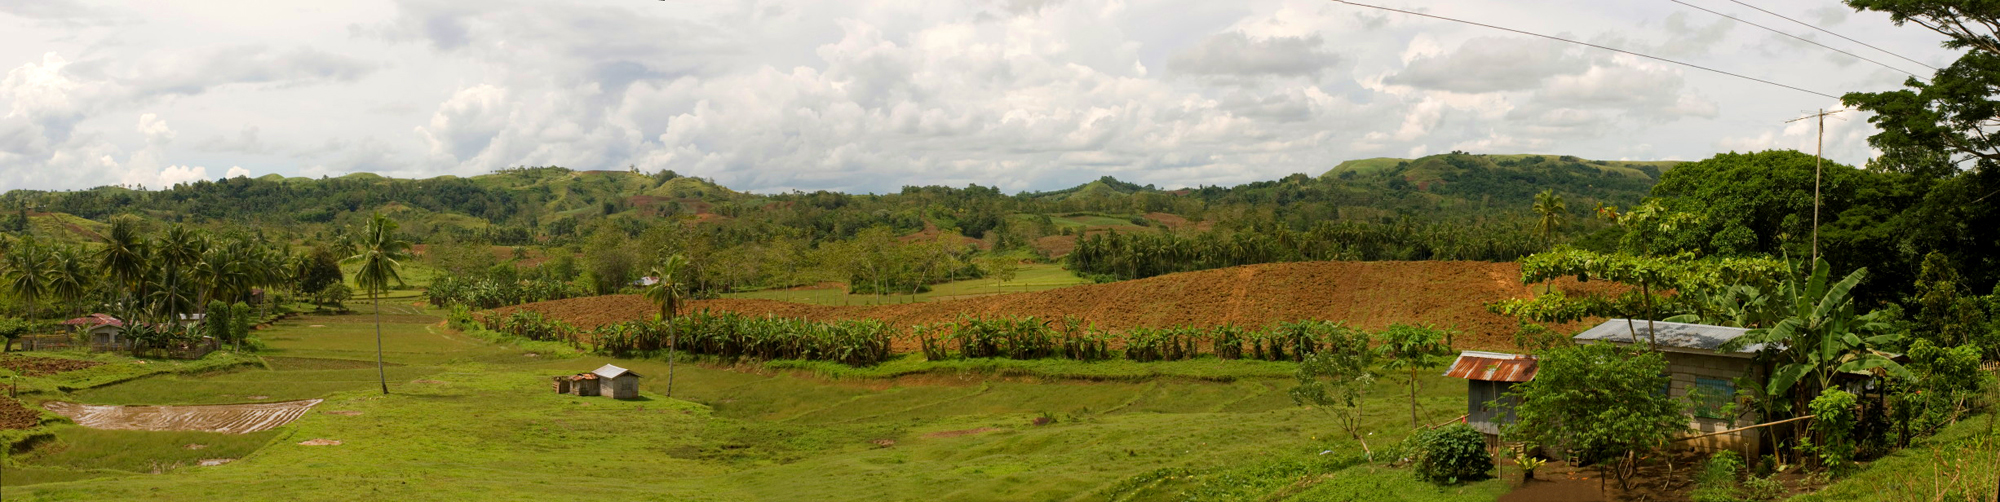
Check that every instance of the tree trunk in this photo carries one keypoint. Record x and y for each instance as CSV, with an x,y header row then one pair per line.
x,y
1413,399
380,372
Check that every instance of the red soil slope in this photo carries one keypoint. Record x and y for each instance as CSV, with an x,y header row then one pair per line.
x,y
1369,295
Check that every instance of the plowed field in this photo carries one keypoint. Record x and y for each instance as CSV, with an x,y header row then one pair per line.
x,y
15,416
230,418
1370,295
42,366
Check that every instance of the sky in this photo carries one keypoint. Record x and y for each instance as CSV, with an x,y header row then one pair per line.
x,y
870,96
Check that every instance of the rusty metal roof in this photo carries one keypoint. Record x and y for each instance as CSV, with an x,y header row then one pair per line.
x,y
1492,366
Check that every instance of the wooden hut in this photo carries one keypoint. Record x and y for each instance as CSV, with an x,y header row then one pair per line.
x,y
1489,376
617,383
1698,367
583,384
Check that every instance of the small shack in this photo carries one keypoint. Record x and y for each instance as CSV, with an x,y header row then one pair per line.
x,y
1489,377
617,383
609,381
1700,368
101,331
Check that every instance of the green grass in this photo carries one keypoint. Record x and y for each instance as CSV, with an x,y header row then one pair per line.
x,y
1959,463
470,418
1032,277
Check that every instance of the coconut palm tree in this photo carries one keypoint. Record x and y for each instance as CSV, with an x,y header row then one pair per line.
x,y
125,258
668,293
380,253
27,276
1554,213
70,277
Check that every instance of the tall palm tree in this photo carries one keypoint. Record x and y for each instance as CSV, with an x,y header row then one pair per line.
x,y
125,259
668,292
70,279
380,253
1554,213
178,251
27,275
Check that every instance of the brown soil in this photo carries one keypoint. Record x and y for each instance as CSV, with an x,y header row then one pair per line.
x,y
15,416
344,413
953,434
210,462
230,418
319,442
1056,246
1560,482
42,366
1369,295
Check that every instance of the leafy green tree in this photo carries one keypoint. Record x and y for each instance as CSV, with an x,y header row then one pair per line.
x,y
1412,348
1943,316
1335,380
1552,212
318,270
1450,454
240,321
609,259
125,258
13,328
668,292
216,323
1000,268
1834,417
380,254
1601,403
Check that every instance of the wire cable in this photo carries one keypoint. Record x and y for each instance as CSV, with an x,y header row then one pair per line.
x,y
1799,38
1587,44
1843,37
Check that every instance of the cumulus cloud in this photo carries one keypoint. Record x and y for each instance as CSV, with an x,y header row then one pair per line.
x,y
243,65
1236,54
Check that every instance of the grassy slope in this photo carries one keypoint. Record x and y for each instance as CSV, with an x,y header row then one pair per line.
x,y
1034,277
492,430
1960,463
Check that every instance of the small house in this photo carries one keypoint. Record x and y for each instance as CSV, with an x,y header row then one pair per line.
x,y
1699,368
617,383
99,330
1489,376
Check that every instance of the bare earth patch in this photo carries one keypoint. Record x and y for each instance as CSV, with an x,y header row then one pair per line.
x,y
230,418
42,366
192,446
431,382
319,442
215,461
344,413
953,434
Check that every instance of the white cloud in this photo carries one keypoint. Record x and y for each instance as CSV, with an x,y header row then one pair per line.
x,y
237,172
1025,94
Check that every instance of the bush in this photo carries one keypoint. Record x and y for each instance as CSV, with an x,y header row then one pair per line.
x,y
1717,480
1450,454
1835,427
1764,488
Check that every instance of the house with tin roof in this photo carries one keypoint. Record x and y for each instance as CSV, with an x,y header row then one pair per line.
x,y
1701,373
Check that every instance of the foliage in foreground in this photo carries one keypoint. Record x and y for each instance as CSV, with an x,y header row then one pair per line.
x,y
1599,404
1450,454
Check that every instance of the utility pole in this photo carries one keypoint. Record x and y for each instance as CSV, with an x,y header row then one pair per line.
x,y
1819,158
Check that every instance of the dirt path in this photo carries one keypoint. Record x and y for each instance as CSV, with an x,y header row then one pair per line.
x,y
230,418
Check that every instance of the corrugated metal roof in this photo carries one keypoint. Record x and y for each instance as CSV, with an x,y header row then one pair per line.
x,y
95,320
1492,366
609,371
1668,334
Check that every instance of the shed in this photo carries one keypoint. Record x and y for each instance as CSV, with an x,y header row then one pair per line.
x,y
583,384
1698,366
1489,376
618,383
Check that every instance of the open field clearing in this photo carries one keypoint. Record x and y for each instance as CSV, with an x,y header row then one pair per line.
x,y
1368,295
1033,277
229,418
909,431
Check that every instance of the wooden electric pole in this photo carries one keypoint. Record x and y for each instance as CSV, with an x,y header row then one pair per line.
x,y
1819,158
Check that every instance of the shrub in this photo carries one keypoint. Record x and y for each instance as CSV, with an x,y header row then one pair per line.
x,y
1450,454
1717,480
1763,488
1835,427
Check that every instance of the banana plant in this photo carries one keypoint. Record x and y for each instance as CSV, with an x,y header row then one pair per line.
x,y
1820,336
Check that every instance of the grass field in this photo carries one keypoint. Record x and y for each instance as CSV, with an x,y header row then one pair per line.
x,y
468,418
1032,277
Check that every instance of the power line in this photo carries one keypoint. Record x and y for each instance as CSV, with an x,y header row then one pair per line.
x,y
1587,44
1843,37
1799,38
